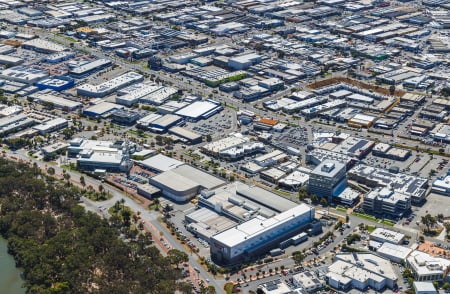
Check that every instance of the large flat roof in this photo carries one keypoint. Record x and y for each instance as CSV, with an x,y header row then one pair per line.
x,y
259,225
264,197
197,109
161,163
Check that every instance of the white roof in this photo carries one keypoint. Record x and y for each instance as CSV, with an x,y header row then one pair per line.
x,y
161,162
197,109
259,225
387,235
397,251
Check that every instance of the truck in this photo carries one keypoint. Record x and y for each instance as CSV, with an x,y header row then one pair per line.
x,y
276,252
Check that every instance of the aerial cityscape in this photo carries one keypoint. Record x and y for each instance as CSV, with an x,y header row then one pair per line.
x,y
231,146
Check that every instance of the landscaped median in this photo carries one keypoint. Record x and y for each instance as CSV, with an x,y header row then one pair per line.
x,y
374,219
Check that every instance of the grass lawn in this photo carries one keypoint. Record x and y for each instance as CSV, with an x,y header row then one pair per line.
x,y
387,222
229,288
366,216
371,228
341,209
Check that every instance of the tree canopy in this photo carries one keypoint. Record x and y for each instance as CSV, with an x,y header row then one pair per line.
x,y
64,249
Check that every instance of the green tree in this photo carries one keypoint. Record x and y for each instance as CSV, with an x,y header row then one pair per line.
x,y
298,257
428,221
51,171
177,257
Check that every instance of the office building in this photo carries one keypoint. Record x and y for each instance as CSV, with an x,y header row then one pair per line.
x,y
125,117
109,161
361,271
373,177
308,282
428,268
256,236
328,179
387,203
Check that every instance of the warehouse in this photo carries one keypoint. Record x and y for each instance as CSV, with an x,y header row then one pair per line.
x,y
244,61
110,86
56,83
186,135
171,107
42,46
58,57
160,163
200,110
56,101
89,68
164,123
131,97
10,60
146,121
205,223
258,235
101,109
362,121
23,74
184,182
51,126
393,252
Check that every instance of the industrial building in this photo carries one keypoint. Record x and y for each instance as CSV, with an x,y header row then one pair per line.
x,y
256,236
42,46
101,109
381,235
200,110
110,86
424,288
56,101
88,68
328,179
23,74
10,60
184,182
186,135
234,146
58,57
160,163
242,62
387,203
51,126
361,271
393,252
55,83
